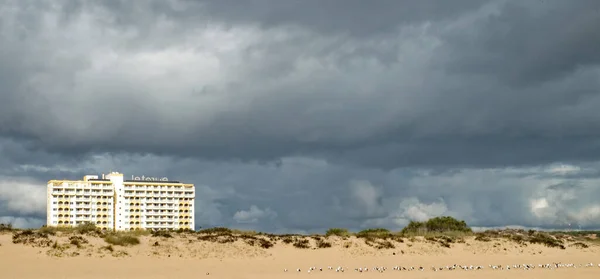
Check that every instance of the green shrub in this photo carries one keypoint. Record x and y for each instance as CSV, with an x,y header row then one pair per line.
x,y
48,230
442,224
120,239
88,228
337,232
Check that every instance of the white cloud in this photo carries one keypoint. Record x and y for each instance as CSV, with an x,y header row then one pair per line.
x,y
563,169
413,209
254,214
22,196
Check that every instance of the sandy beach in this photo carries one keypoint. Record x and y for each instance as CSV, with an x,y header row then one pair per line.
x,y
192,255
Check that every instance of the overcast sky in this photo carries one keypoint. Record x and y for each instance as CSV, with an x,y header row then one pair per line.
x,y
297,116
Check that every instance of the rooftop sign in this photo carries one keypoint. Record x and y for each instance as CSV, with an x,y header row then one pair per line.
x,y
149,178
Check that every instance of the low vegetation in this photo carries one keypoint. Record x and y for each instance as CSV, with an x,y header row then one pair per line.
x,y
323,244
444,225
523,237
122,239
6,228
78,241
337,232
482,237
580,245
89,229
546,239
379,238
165,234
31,238
225,235
302,243
443,231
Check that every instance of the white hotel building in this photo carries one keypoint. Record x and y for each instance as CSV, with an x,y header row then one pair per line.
x,y
113,203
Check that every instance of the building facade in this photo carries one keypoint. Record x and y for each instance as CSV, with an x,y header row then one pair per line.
x,y
114,203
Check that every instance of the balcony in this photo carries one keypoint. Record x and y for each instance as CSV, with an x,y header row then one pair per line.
x,y
160,213
159,225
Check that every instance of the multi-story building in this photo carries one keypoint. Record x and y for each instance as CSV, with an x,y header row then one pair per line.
x,y
113,203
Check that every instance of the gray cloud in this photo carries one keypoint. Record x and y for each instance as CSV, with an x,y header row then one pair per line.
x,y
312,114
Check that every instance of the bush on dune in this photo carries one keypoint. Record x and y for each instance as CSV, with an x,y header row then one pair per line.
x,y
88,229
482,237
337,232
437,225
323,244
165,234
302,243
374,233
6,227
121,239
580,245
216,230
546,239
32,238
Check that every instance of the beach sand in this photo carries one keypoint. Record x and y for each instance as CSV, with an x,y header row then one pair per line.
x,y
184,256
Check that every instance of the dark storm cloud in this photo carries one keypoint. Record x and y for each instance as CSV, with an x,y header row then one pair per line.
x,y
359,103
355,17
531,42
304,115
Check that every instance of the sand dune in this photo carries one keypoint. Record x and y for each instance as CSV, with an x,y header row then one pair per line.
x,y
192,255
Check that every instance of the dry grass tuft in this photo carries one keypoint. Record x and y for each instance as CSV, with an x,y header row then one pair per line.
x,y
78,241
302,243
6,228
580,245
323,244
32,238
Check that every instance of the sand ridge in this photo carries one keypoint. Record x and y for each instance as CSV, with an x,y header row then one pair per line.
x,y
226,255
